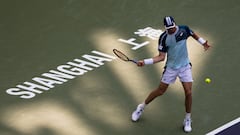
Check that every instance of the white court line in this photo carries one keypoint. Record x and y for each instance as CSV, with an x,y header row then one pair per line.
x,y
229,124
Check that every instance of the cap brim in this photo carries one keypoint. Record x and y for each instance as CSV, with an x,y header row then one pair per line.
x,y
169,27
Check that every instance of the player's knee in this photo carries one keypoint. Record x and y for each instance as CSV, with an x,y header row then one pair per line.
x,y
188,93
160,92
161,89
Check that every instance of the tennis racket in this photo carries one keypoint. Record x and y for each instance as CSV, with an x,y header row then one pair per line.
x,y
122,56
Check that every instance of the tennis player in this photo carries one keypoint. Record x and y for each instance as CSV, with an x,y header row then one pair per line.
x,y
173,44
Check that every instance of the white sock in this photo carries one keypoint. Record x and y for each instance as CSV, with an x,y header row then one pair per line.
x,y
143,104
188,116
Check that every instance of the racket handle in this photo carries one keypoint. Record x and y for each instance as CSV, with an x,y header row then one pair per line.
x,y
134,61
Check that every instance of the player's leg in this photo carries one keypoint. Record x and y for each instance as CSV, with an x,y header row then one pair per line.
x,y
188,105
155,93
188,96
185,76
169,76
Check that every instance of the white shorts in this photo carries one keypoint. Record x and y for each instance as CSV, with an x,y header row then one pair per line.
x,y
184,74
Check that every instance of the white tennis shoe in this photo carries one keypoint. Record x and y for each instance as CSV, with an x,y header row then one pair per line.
x,y
138,112
187,125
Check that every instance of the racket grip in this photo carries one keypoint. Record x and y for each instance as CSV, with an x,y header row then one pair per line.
x,y
134,61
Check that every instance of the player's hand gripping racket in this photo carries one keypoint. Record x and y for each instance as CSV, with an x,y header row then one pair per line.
x,y
122,56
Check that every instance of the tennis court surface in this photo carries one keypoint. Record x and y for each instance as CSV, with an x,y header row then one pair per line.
x,y
231,128
59,75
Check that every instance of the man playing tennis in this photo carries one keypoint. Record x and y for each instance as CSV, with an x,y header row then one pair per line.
x,y
173,43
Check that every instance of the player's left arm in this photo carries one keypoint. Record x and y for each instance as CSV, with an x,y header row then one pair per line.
x,y
201,41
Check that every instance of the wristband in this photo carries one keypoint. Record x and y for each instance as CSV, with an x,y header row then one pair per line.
x,y
201,40
148,61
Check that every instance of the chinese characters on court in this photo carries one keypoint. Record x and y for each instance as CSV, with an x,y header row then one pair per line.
x,y
146,32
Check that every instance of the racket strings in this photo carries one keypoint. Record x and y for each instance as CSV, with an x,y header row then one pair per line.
x,y
120,55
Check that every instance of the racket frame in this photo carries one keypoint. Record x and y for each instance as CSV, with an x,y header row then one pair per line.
x,y
115,51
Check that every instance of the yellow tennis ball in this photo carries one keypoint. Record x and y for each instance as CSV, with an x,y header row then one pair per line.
x,y
207,80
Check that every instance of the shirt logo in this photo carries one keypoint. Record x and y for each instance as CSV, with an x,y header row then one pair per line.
x,y
181,34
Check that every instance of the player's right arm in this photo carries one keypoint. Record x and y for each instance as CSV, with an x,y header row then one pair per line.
x,y
160,57
162,48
